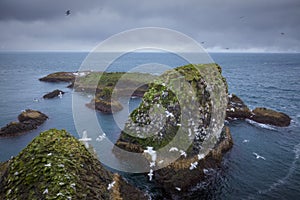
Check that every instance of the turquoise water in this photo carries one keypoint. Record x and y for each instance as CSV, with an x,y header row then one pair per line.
x,y
270,80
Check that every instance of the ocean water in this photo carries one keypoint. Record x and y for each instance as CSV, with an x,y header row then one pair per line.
x,y
270,80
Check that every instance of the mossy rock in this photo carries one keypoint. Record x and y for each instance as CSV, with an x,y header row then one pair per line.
x,y
55,165
59,77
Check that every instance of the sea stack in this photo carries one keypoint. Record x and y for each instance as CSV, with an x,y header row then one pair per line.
x,y
180,108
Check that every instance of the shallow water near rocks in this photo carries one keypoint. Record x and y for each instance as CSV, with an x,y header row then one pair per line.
x,y
270,80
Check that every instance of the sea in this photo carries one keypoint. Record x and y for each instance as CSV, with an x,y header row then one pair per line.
x,y
269,80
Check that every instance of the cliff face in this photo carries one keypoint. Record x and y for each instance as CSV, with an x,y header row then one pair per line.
x,y
55,165
180,118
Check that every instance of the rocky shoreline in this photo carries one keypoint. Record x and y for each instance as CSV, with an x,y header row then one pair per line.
x,y
28,120
50,166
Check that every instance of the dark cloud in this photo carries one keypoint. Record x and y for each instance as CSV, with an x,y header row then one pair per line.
x,y
249,24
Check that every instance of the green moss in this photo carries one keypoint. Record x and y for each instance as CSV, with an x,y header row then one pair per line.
x,y
57,162
176,83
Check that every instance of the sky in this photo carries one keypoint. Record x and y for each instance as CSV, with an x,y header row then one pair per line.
x,y
218,25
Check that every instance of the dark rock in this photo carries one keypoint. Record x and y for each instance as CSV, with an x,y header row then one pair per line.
x,y
55,165
53,94
159,102
179,175
59,77
268,116
105,106
237,108
28,120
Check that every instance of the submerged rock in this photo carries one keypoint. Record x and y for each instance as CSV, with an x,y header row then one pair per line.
x,y
28,120
268,116
55,165
54,93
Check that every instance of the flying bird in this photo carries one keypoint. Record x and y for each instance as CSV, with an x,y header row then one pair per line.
x,y
68,12
258,156
85,139
282,33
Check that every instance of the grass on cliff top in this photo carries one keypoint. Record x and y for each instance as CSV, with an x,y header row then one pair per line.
x,y
55,165
102,79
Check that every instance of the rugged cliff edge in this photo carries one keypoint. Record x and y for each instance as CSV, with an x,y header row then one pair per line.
x,y
174,119
55,165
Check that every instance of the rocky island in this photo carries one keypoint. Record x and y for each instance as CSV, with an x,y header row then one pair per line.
x,y
164,116
54,93
55,165
28,120
237,109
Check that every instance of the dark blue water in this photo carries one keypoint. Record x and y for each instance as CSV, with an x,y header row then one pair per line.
x,y
270,80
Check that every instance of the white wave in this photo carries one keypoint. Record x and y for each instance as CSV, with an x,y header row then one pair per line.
x,y
260,125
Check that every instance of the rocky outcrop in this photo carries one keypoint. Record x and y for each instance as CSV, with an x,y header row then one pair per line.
x,y
170,112
179,176
268,116
237,109
54,93
105,106
59,77
28,120
55,165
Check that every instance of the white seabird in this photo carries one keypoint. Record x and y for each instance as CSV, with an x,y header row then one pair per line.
x,y
200,156
150,174
60,95
151,152
258,156
85,139
101,137
193,165
111,185
182,153
173,149
169,114
152,164
48,165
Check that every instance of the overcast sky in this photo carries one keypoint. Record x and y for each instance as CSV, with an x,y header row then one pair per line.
x,y
223,25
